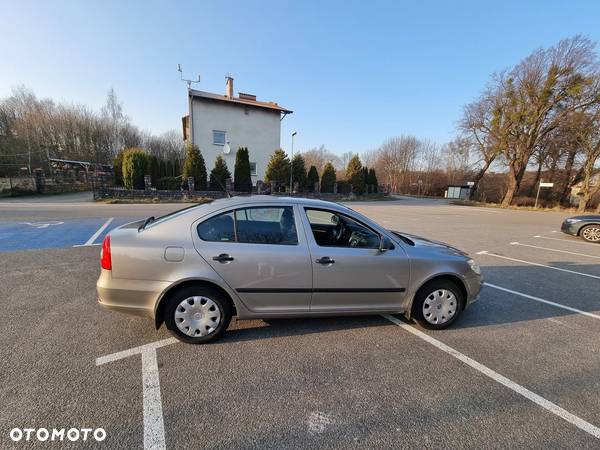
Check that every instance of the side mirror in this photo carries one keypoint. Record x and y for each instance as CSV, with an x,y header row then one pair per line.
x,y
384,243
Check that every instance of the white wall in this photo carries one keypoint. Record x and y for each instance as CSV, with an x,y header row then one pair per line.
x,y
259,130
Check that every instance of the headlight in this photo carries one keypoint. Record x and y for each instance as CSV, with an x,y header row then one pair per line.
x,y
474,267
572,220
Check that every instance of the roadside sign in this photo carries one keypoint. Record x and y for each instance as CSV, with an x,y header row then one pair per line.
x,y
470,183
540,186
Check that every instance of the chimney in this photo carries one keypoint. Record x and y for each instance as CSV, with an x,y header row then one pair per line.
x,y
229,87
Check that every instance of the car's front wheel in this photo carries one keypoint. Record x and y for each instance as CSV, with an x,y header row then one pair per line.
x,y
197,315
437,304
591,233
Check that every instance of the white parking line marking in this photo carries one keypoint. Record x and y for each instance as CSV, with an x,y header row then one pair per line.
x,y
554,250
98,233
571,241
485,252
532,396
154,427
541,300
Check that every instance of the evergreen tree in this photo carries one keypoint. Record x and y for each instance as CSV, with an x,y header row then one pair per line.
x,y
328,178
365,177
219,175
355,175
299,171
194,167
312,178
118,167
134,167
241,173
373,180
278,169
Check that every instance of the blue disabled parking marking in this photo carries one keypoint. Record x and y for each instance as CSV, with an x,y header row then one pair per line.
x,y
58,233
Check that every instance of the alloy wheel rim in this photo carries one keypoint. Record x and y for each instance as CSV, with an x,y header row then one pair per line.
x,y
439,306
197,316
592,234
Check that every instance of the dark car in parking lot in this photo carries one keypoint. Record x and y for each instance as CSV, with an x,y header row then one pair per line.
x,y
587,227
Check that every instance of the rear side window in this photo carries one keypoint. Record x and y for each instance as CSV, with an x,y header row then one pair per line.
x,y
258,225
266,226
218,229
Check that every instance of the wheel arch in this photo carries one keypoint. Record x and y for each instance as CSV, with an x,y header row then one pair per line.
x,y
453,278
585,225
199,282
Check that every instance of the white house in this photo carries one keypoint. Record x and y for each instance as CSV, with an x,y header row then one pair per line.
x,y
222,123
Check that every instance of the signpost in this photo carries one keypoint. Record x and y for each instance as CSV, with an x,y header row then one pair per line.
x,y
540,186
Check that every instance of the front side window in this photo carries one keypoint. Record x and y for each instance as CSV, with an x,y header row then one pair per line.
x,y
218,228
258,225
219,137
264,225
332,229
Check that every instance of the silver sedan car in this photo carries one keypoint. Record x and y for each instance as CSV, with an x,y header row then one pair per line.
x,y
275,257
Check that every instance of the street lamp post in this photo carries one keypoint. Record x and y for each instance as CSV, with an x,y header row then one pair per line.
x,y
291,165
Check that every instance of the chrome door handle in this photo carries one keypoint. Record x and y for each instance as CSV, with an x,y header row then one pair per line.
x,y
325,260
223,257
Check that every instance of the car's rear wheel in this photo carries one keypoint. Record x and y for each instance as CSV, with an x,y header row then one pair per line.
x,y
591,233
197,315
437,304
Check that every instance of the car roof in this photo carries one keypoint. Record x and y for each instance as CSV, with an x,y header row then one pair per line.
x,y
249,200
256,199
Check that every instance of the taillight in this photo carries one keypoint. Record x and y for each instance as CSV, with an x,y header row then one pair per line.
x,y
105,259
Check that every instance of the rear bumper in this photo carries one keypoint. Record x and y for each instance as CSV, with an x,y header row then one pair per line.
x,y
137,297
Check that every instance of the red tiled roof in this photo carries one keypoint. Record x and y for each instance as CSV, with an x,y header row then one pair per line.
x,y
241,101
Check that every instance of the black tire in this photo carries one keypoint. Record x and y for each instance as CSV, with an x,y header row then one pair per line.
x,y
222,302
586,236
429,290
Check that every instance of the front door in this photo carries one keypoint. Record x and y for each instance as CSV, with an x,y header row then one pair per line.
x,y
259,253
349,272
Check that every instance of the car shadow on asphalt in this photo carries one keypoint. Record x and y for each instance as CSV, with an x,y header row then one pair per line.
x,y
242,330
569,290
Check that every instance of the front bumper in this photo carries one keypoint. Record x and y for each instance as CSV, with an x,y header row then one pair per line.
x,y
473,285
571,228
137,297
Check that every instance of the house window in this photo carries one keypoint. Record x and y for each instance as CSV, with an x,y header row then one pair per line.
x,y
252,168
219,137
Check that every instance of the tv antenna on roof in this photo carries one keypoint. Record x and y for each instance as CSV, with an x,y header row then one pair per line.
x,y
189,82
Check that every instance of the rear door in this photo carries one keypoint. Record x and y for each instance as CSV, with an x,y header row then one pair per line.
x,y
259,253
349,272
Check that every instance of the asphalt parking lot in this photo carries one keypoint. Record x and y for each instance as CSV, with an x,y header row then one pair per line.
x,y
520,368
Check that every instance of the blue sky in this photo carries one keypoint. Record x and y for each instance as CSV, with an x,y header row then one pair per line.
x,y
354,73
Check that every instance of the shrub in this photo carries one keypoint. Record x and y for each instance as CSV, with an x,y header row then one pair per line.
x,y
242,180
135,166
328,178
168,183
219,175
194,167
344,187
